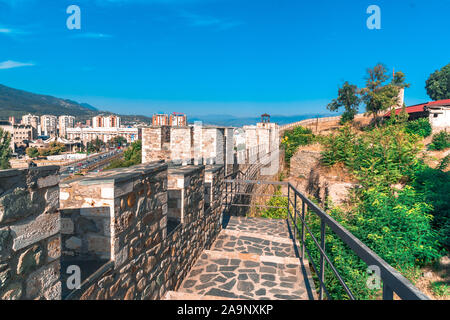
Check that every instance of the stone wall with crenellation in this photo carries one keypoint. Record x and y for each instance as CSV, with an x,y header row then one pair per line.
x,y
149,254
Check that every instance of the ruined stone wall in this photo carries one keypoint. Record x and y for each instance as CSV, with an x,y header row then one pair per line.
x,y
29,234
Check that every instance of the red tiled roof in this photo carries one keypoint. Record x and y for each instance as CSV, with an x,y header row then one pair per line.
x,y
420,107
439,103
411,109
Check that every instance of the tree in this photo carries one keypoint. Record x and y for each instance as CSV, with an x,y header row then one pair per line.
x,y
5,150
94,146
377,95
438,84
57,148
32,152
117,141
399,80
132,156
347,98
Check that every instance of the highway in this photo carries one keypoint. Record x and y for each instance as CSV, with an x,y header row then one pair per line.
x,y
90,164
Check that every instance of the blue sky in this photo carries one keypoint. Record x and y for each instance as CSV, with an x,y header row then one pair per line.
x,y
242,57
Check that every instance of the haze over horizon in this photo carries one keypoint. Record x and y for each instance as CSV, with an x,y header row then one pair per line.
x,y
216,57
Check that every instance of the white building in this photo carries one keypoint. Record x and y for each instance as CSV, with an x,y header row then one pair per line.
x,y
106,121
439,115
105,134
33,121
48,125
65,122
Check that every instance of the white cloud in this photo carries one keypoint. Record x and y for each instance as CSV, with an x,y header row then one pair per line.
x,y
14,64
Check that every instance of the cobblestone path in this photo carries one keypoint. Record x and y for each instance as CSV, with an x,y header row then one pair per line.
x,y
252,259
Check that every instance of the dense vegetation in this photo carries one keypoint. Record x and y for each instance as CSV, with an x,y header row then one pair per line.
x,y
5,150
131,157
438,84
299,136
441,141
400,209
55,148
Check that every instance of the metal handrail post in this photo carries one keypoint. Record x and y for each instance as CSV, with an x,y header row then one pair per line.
x,y
322,258
302,251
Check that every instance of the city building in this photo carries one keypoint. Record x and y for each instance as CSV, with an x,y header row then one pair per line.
x,y
86,135
111,121
160,120
65,122
34,122
20,134
178,119
48,125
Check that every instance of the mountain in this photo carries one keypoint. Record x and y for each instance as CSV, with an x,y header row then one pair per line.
x,y
228,120
14,102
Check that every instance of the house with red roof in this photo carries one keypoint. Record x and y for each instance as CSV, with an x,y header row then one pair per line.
x,y
438,113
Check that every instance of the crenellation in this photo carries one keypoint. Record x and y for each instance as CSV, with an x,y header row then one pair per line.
x,y
118,227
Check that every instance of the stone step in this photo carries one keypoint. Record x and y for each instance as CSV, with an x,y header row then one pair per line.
x,y
245,276
176,295
246,242
259,226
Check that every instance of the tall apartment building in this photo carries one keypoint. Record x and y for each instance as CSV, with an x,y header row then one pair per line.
x,y
20,134
34,122
160,120
106,121
65,122
48,125
178,120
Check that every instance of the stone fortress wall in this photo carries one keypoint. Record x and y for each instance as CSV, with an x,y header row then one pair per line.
x,y
30,240
133,233
209,144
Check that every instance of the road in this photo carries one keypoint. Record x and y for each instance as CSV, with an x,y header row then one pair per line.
x,y
90,164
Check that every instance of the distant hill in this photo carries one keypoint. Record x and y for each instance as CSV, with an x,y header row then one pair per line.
x,y
14,102
228,120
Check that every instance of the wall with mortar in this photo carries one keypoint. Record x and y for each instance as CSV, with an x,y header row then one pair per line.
x,y
29,234
146,260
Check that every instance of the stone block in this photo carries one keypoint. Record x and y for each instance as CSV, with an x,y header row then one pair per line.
x,y
99,244
18,205
73,243
48,181
34,230
54,248
29,260
13,291
67,226
42,280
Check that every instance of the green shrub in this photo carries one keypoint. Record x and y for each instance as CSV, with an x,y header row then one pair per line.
x,y
132,156
440,141
299,136
434,185
276,201
421,127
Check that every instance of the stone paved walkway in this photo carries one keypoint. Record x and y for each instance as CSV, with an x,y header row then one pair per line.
x,y
252,259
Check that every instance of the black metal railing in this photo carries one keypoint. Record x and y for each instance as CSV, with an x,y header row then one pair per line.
x,y
393,281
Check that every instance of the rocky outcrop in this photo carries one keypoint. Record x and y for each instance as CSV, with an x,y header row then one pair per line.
x,y
310,177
